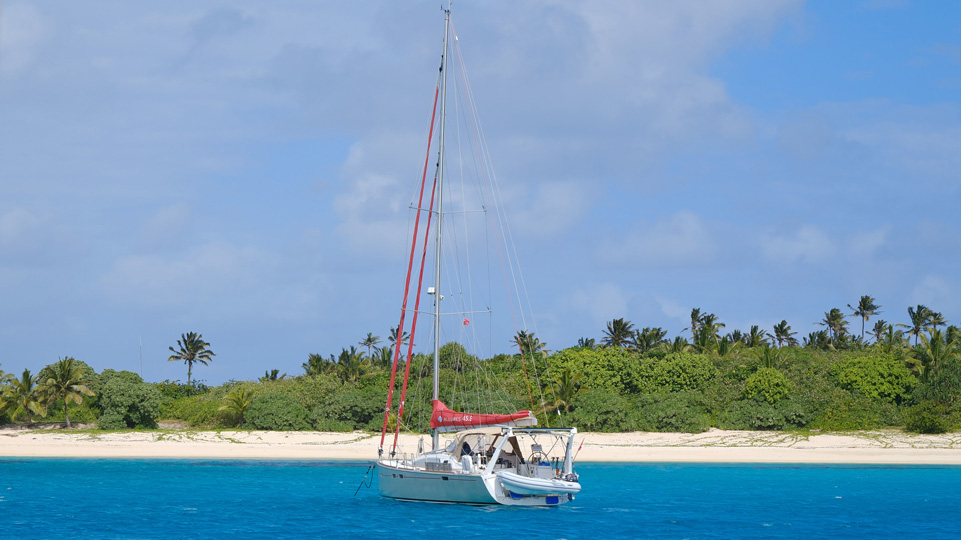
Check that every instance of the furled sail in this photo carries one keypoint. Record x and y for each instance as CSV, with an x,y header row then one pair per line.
x,y
443,419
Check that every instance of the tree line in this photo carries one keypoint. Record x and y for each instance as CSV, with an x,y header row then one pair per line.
x,y
893,375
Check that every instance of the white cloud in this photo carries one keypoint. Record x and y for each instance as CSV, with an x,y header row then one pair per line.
x,y
938,293
680,239
16,226
23,30
167,225
554,208
214,271
601,301
868,242
808,245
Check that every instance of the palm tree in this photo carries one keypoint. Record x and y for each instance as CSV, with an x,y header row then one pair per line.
x,y
370,342
866,308
892,339
736,336
880,327
22,396
704,340
318,365
562,396
273,375
618,333
236,403
647,339
769,356
755,337
920,317
953,335
709,321
725,345
836,324
936,320
193,348
707,334
351,364
935,350
392,338
818,340
64,380
585,343
679,345
385,357
528,344
695,322
783,334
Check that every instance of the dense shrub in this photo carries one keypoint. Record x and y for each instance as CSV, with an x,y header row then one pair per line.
x,y
275,411
683,412
126,401
171,390
321,422
767,384
941,384
677,372
851,411
601,410
878,377
761,415
200,411
79,414
611,368
927,417
361,408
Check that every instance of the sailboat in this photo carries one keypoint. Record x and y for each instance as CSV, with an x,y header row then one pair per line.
x,y
491,458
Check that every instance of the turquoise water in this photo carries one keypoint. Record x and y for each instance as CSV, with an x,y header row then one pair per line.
x,y
87,498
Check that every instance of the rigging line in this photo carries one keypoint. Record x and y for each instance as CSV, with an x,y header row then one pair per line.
x,y
496,197
485,163
413,327
512,252
497,217
413,247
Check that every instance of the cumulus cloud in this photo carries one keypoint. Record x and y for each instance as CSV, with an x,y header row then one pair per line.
x,y
938,293
188,279
23,30
601,301
869,242
554,208
679,239
809,244
167,225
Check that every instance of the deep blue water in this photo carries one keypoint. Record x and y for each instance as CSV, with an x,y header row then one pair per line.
x,y
89,498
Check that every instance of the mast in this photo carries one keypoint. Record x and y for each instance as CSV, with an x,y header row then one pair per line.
x,y
440,217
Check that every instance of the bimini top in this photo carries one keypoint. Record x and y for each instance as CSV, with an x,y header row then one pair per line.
x,y
443,419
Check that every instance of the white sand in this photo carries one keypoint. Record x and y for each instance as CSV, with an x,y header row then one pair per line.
x,y
891,447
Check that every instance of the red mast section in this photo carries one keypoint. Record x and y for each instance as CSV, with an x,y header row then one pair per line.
x,y
410,266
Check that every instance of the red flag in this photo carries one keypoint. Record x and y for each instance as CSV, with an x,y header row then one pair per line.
x,y
466,322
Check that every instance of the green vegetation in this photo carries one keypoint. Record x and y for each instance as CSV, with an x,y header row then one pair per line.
x,y
191,348
636,379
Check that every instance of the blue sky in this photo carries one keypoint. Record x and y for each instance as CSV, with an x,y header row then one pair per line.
x,y
241,169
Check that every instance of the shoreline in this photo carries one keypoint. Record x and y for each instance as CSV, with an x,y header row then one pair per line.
x,y
713,446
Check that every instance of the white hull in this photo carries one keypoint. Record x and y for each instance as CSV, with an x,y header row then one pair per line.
x,y
487,466
407,484
523,485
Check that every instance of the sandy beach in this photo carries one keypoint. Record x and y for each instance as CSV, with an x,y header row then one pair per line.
x,y
871,447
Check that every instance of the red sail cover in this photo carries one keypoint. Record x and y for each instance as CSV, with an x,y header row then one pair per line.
x,y
445,419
